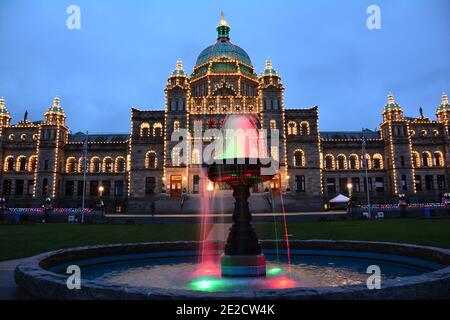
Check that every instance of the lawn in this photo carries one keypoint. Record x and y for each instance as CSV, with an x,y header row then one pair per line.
x,y
416,231
18,241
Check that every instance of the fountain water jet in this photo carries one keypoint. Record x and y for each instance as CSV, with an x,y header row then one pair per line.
x,y
240,168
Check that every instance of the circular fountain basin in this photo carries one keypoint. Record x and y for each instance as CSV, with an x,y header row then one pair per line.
x,y
318,270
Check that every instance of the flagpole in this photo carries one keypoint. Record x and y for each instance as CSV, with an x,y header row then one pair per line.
x,y
84,174
367,174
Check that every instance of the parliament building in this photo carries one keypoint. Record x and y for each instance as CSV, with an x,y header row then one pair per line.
x,y
40,159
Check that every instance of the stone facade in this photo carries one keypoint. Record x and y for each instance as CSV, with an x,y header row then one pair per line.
x,y
42,159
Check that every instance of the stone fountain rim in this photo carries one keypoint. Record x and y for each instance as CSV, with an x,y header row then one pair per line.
x,y
33,278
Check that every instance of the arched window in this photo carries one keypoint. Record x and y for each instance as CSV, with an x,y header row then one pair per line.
x,y
81,165
151,161
353,162
9,163
378,161
195,156
304,128
415,159
426,159
292,128
108,165
329,162
341,162
273,124
438,159
120,164
21,164
176,157
32,164
95,165
299,158
366,162
157,129
70,165
145,129
176,126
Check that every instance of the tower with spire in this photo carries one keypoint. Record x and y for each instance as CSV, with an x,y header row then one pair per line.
x,y
396,134
5,117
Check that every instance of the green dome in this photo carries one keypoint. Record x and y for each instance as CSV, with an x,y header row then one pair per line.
x,y
269,71
222,51
56,108
179,71
391,105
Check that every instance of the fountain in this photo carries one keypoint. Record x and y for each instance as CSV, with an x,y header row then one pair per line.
x,y
319,269
239,168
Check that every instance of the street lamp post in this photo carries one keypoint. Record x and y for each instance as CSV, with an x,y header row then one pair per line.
x,y
350,189
100,192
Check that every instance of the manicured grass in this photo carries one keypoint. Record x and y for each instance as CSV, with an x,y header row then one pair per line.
x,y
18,241
415,231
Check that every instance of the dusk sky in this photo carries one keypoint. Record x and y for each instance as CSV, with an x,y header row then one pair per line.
x,y
123,53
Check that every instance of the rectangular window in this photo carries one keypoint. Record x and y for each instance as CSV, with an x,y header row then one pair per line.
x,y
418,182
19,187
80,188
30,187
343,185
106,188
429,183
150,184
441,182
70,188
196,184
93,191
356,185
118,188
379,184
370,185
402,161
331,185
300,183
7,184
46,165
403,183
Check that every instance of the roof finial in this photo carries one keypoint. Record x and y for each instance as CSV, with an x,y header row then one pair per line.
x,y
223,29
179,64
444,99
223,22
391,99
268,64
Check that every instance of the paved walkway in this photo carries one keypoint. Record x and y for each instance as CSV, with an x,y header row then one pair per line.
x,y
8,288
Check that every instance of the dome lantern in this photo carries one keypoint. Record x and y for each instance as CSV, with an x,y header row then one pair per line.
x,y
223,29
